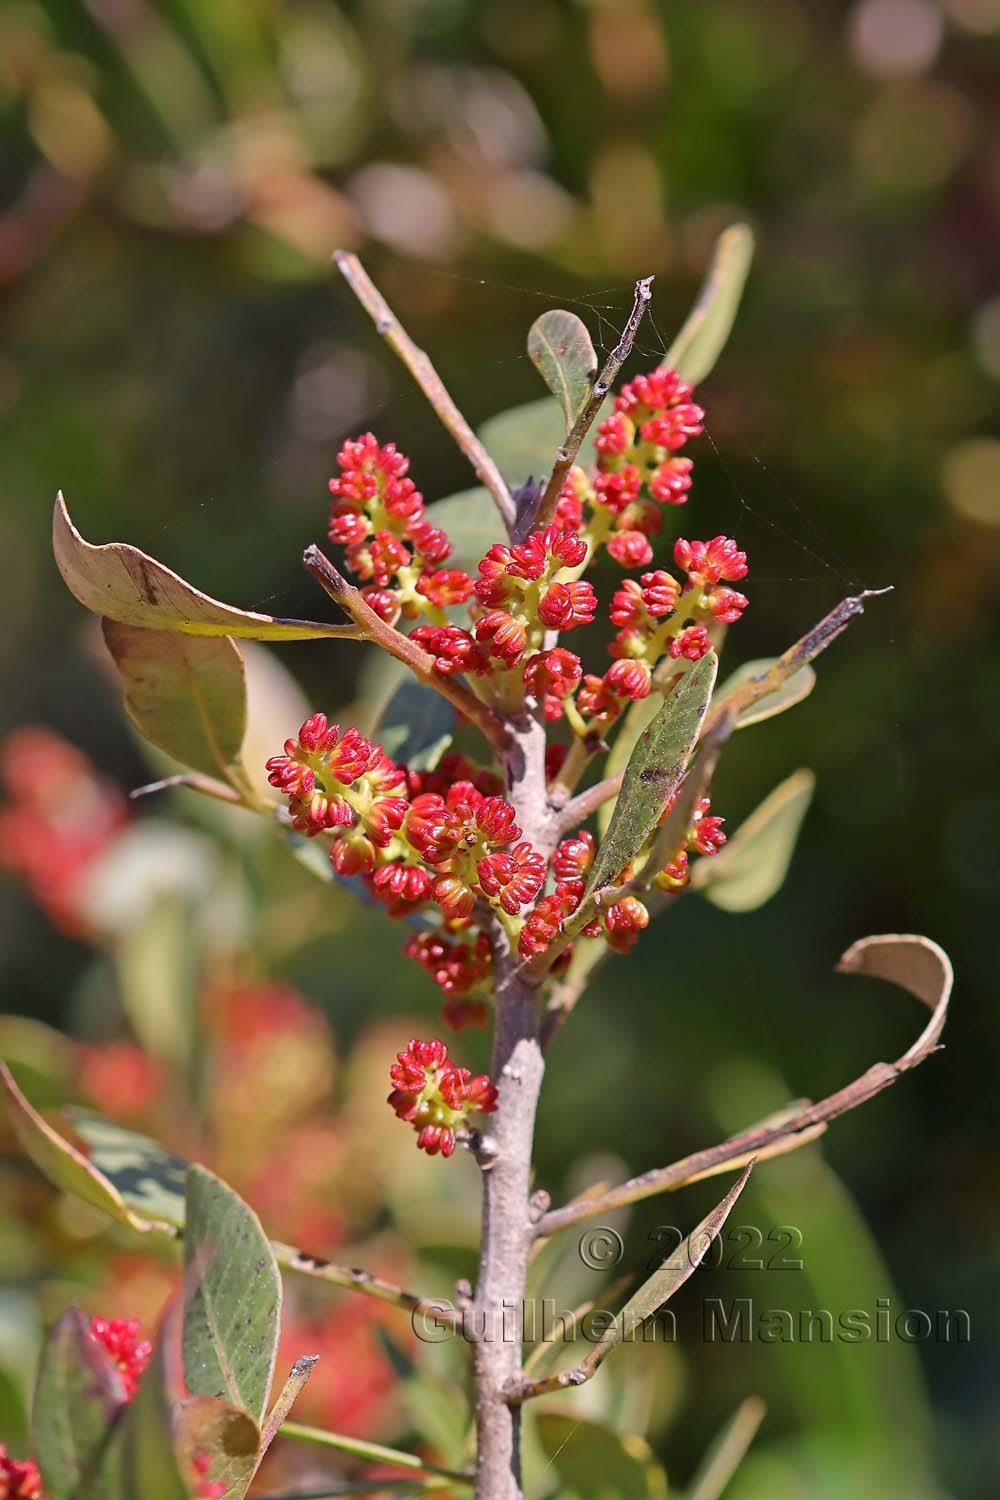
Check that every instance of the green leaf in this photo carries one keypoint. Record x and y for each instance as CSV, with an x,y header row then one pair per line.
x,y
523,440
416,726
142,1172
472,522
639,714
63,1164
793,690
78,1394
595,1463
654,771
232,1312
667,1278
158,966
751,868
727,1451
707,327
186,694
121,583
142,1463
560,348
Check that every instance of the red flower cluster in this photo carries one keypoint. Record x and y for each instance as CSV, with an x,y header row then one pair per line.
x,y
19,1478
441,846
378,515
435,1096
130,1353
638,470
340,782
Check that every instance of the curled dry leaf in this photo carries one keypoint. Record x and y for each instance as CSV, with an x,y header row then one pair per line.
x,y
916,964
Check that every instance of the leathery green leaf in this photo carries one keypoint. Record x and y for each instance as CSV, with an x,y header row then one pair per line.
x,y
792,691
232,1311
707,327
654,771
416,726
752,866
594,1462
667,1278
78,1393
62,1163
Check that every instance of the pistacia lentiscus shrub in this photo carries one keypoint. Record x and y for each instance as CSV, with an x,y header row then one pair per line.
x,y
523,809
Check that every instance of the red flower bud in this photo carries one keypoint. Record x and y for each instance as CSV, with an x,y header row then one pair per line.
x,y
623,923
445,587
515,877
453,649
629,679
566,605
706,563
631,549
691,643
504,637
554,674
384,602
727,605
596,701
574,856
671,481
619,489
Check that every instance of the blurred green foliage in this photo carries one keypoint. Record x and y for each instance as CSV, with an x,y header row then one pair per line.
x,y
176,355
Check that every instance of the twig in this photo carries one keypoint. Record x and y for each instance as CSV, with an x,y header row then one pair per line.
x,y
287,1397
791,661
207,785
429,381
353,1279
805,650
370,627
374,1453
566,455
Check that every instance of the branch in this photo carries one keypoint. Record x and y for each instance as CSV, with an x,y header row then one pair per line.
x,y
287,1397
351,1278
195,782
429,381
914,962
369,627
805,650
567,454
371,1452
797,656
